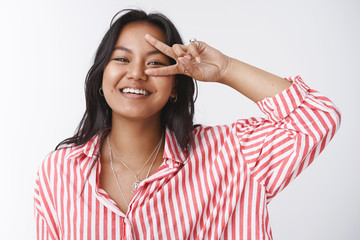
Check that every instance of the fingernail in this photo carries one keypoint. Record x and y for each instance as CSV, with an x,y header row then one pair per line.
x,y
197,59
187,57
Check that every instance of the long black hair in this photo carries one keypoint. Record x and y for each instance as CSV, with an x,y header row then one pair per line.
x,y
97,118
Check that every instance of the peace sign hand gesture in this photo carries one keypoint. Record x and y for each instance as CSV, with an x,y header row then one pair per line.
x,y
197,60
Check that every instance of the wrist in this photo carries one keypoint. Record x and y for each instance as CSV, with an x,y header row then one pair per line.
x,y
226,70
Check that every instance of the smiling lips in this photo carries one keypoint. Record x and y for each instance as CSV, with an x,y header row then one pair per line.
x,y
135,91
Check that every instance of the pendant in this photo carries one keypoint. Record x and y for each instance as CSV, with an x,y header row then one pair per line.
x,y
136,184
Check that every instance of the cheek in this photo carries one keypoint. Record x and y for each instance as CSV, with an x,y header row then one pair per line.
x,y
111,77
168,85
163,85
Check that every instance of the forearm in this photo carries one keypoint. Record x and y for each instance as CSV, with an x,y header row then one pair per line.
x,y
252,82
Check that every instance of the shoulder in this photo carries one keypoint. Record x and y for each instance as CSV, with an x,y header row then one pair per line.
x,y
55,160
213,135
232,133
224,130
201,130
67,157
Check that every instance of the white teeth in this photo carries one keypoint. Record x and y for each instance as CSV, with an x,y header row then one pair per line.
x,y
135,91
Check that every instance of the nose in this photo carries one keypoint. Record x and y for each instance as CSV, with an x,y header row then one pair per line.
x,y
136,71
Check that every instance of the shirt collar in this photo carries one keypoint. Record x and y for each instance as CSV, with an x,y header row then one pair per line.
x,y
172,150
89,149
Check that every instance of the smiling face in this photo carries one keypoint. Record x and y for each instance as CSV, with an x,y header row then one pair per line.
x,y
128,91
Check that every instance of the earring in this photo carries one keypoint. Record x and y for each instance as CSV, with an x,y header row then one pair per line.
x,y
173,99
101,92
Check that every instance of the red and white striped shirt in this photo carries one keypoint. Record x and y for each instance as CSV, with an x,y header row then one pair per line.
x,y
220,191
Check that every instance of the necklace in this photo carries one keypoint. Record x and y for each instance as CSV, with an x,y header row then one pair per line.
x,y
137,175
117,182
116,179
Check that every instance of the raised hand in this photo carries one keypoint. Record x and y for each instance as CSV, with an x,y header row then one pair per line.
x,y
199,61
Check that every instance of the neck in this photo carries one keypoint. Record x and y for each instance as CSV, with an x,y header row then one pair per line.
x,y
134,140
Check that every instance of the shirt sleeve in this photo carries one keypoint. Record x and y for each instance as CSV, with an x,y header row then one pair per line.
x,y
46,227
300,122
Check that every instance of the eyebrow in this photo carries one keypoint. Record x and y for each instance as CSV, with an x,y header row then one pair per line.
x,y
129,51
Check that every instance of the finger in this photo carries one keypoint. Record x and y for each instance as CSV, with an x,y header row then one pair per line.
x,y
163,71
185,65
192,50
180,50
162,47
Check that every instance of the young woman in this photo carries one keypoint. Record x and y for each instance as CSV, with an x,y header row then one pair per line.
x,y
138,168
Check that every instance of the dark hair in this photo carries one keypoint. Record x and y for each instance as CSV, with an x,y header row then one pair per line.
x,y
97,118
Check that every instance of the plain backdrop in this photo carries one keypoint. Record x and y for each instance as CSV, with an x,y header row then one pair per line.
x,y
46,49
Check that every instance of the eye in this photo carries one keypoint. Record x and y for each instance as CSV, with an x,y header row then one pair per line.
x,y
121,59
156,63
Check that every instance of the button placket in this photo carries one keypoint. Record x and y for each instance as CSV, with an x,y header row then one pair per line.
x,y
163,173
128,229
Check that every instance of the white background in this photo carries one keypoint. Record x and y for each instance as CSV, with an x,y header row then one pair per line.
x,y
46,48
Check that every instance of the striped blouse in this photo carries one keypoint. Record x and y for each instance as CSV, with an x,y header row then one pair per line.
x,y
220,191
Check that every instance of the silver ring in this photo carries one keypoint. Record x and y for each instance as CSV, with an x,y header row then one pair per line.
x,y
195,41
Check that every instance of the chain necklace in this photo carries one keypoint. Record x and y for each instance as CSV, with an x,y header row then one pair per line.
x,y
137,175
113,169
117,182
